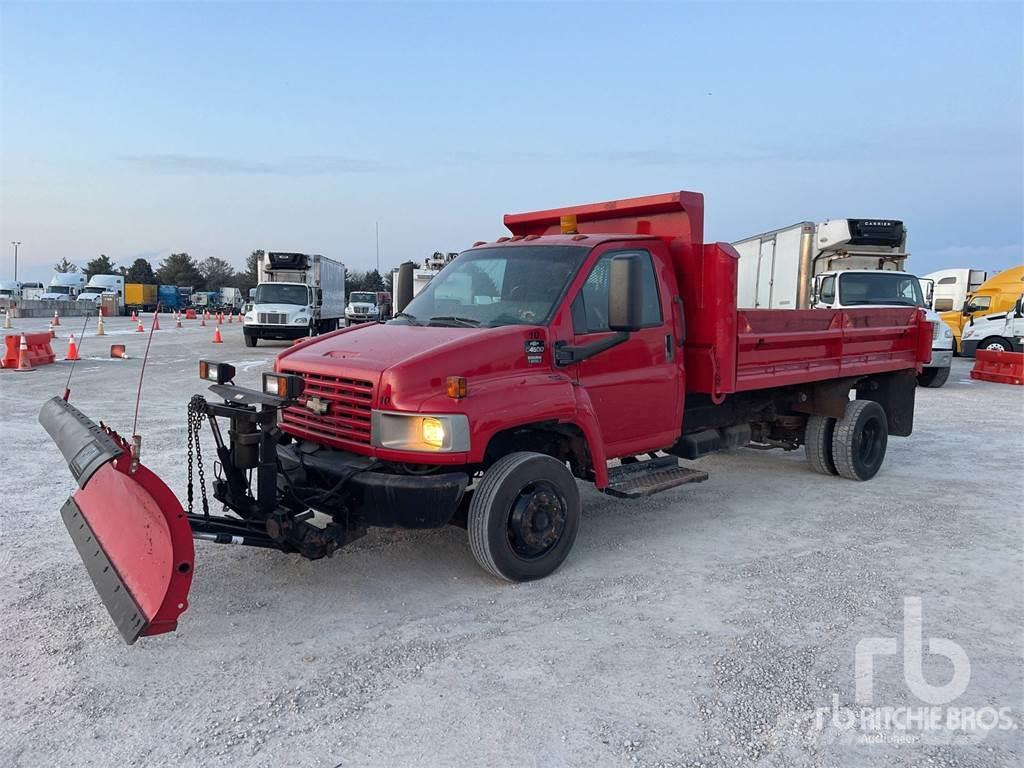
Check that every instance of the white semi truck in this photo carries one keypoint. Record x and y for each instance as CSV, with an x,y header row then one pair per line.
x,y
952,287
298,294
104,285
836,264
10,289
64,286
998,332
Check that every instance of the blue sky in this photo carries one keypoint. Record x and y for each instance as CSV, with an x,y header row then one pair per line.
x,y
141,129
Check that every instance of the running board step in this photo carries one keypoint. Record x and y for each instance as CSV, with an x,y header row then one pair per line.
x,y
644,478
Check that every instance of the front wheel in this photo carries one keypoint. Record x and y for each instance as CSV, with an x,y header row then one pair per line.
x,y
933,377
524,516
996,344
250,341
859,440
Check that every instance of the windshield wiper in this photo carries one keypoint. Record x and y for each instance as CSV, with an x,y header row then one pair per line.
x,y
458,322
413,320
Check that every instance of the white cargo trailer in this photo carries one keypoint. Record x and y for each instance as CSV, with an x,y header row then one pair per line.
x,y
298,294
836,264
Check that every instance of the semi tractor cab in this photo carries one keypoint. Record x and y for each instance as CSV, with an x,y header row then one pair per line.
x,y
836,264
298,295
64,286
100,285
999,332
599,343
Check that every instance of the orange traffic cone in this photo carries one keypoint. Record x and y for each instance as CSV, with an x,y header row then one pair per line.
x,y
202,321
72,348
56,318
24,364
216,336
100,328
53,333
156,322
231,318
138,327
177,320
7,319
134,316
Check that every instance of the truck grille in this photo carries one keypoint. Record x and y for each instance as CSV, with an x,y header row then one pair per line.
x,y
272,318
347,417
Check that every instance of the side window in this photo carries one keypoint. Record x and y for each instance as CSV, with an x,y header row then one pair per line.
x,y
981,302
590,308
828,289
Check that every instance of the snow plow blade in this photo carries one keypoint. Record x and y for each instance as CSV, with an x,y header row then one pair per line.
x,y
128,527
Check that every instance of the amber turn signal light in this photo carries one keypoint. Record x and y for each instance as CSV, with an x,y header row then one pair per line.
x,y
457,388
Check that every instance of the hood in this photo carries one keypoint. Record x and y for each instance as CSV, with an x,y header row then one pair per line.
x,y
288,309
411,363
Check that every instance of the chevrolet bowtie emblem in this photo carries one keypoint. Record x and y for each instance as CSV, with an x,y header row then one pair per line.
x,y
316,405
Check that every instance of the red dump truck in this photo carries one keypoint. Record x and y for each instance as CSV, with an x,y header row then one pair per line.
x,y
592,333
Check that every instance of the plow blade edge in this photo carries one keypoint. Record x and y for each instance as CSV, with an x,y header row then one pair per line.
x,y
127,525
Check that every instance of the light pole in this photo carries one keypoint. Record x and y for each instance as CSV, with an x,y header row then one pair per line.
x,y
15,243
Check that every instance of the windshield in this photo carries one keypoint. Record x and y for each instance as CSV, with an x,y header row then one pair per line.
x,y
93,289
6,292
58,289
497,286
891,288
282,293
363,298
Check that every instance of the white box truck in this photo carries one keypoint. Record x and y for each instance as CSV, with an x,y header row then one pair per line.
x,y
298,294
64,286
836,264
100,285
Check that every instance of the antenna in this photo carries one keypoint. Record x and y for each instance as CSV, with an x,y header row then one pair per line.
x,y
67,385
138,394
376,230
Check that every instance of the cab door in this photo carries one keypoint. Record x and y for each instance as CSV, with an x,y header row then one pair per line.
x,y
636,388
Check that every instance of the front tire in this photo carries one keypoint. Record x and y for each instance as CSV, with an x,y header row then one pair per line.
x,y
818,444
250,341
996,344
933,377
860,439
524,516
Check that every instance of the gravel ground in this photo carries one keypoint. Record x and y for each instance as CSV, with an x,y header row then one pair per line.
x,y
702,626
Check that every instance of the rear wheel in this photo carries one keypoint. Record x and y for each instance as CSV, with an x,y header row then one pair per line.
x,y
933,377
524,516
996,344
859,440
818,444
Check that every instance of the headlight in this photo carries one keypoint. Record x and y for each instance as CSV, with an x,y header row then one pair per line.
x,y
418,432
300,319
947,334
372,311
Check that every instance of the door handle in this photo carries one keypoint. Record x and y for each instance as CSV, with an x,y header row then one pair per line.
x,y
669,347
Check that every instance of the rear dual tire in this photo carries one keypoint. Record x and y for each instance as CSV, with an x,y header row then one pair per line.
x,y
524,516
853,446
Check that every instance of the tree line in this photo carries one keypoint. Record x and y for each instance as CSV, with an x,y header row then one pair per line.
x,y
210,274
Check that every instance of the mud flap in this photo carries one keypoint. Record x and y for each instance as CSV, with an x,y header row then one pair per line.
x,y
127,525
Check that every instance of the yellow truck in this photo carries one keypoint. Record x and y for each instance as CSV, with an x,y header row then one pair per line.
x,y
140,297
997,294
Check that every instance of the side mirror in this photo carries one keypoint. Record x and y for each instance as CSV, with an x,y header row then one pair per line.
x,y
967,309
626,293
928,286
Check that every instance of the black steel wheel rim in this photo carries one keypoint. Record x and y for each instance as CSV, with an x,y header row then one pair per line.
x,y
536,520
